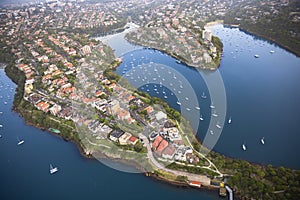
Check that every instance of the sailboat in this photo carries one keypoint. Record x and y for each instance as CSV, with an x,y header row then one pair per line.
x,y
229,120
178,102
244,147
262,140
201,118
53,169
211,132
20,141
218,125
214,114
203,96
197,108
212,105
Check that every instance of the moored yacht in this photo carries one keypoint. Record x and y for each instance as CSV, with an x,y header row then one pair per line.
x,y
262,140
244,147
20,141
53,169
229,120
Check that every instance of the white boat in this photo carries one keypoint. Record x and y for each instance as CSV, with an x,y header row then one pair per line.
x,y
53,169
165,97
214,114
1,125
20,141
211,132
178,102
244,147
201,118
229,120
197,108
186,98
262,140
188,109
256,56
272,51
212,105
218,126
0,136
203,96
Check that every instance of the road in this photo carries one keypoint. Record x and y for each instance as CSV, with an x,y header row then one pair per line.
x,y
195,177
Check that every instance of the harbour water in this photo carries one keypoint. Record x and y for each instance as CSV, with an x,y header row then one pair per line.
x,y
24,169
262,99
262,96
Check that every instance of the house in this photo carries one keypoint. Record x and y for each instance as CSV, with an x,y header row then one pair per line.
x,y
55,109
149,109
160,116
113,107
123,114
116,134
132,140
156,142
169,152
43,106
194,183
124,138
163,144
112,86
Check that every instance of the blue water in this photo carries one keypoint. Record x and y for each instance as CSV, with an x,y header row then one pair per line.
x,y
262,97
24,170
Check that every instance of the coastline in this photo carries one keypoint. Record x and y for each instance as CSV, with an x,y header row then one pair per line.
x,y
255,34
264,37
77,143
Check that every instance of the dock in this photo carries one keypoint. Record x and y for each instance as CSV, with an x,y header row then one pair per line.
x,y
229,190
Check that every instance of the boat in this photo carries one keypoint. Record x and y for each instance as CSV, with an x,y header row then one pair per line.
x,y
186,98
272,51
20,141
203,96
214,114
0,136
212,105
165,97
201,118
262,140
229,120
218,126
1,125
53,169
178,102
211,132
256,56
188,109
244,147
197,108
54,130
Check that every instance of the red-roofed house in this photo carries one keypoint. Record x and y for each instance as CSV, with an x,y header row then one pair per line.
x,y
132,140
43,106
156,142
149,110
195,183
163,144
